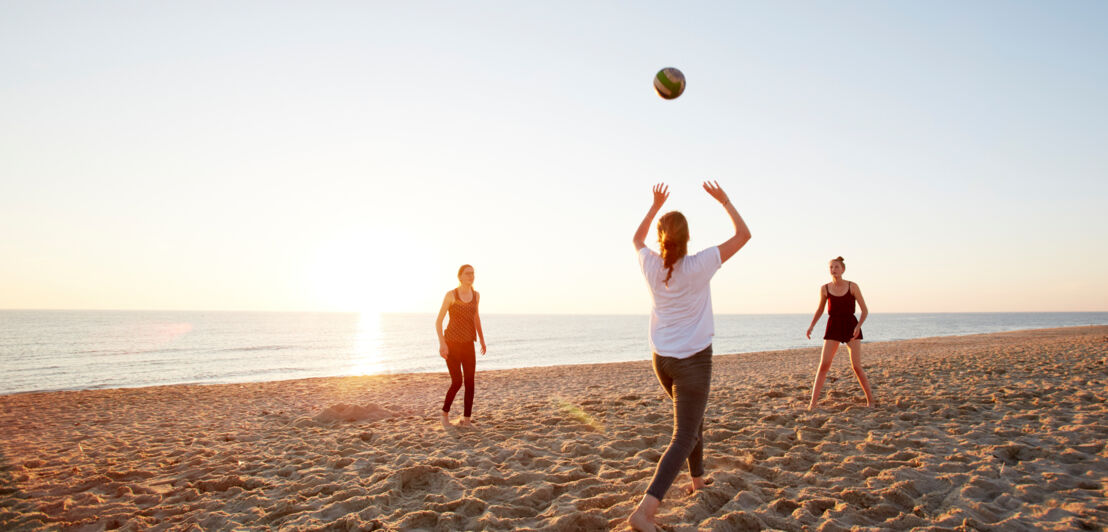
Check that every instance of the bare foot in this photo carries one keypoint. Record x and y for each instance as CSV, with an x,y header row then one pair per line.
x,y
643,517
698,483
446,420
466,422
639,521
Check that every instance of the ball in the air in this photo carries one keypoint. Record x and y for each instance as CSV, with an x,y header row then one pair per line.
x,y
669,83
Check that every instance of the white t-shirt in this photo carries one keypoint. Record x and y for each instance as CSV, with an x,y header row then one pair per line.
x,y
681,314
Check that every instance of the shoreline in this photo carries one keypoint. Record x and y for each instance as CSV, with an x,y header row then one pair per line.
x,y
981,430
587,364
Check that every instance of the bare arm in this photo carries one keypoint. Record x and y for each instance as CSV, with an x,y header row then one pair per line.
x,y
661,193
477,322
447,300
742,232
857,290
819,311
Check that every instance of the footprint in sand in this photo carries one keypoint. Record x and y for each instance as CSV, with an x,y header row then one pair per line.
x,y
421,519
1015,453
423,478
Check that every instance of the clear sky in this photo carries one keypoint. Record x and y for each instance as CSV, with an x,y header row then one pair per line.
x,y
351,155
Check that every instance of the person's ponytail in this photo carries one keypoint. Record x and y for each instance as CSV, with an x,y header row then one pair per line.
x,y
673,239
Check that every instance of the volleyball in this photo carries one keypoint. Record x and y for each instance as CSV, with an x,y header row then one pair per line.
x,y
669,83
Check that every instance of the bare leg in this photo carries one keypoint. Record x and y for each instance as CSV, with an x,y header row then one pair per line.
x,y
643,517
830,347
855,348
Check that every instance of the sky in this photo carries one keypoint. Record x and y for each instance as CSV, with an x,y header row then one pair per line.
x,y
350,156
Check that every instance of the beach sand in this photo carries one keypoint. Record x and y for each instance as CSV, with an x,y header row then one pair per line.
x,y
1000,431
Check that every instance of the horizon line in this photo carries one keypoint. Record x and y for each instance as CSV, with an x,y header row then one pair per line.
x,y
241,311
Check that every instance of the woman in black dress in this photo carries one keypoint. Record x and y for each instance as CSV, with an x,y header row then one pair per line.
x,y
842,328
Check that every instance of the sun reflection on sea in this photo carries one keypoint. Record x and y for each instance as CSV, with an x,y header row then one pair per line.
x,y
368,344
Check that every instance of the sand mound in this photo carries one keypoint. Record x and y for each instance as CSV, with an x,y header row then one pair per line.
x,y
351,413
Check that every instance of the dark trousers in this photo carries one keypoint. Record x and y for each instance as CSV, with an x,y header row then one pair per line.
x,y
461,361
686,381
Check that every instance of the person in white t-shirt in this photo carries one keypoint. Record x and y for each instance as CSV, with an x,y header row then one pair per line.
x,y
681,331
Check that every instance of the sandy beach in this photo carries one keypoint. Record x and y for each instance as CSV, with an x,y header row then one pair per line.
x,y
986,432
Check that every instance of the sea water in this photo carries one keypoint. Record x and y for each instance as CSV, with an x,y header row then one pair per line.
x,y
43,350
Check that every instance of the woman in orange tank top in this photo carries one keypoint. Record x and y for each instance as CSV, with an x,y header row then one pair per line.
x,y
456,343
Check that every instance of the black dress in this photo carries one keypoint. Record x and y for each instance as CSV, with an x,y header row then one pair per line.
x,y
840,316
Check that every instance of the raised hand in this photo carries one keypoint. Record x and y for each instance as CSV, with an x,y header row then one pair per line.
x,y
661,194
713,188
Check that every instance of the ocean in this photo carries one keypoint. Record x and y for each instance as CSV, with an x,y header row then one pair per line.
x,y
47,350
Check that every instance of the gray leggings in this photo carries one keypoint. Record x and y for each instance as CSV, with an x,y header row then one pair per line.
x,y
686,381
